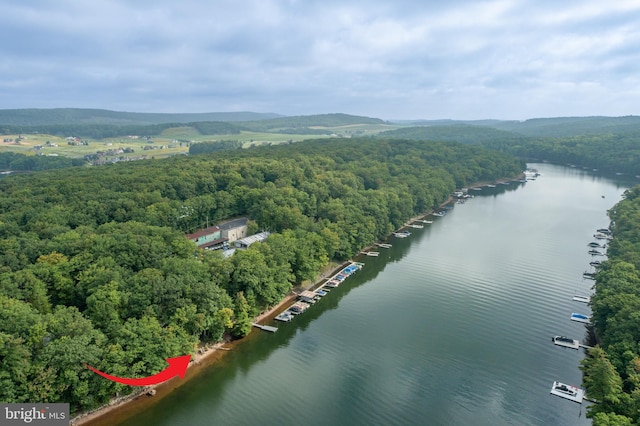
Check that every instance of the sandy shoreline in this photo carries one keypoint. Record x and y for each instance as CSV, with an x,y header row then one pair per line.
x,y
129,405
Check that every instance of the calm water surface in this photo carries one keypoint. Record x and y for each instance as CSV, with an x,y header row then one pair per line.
x,y
451,326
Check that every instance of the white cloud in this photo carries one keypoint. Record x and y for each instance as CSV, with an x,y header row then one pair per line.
x,y
409,58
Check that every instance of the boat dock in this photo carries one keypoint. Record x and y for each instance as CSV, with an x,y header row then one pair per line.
x,y
384,245
371,253
265,327
582,299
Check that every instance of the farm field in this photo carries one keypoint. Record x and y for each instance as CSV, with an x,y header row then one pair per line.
x,y
173,141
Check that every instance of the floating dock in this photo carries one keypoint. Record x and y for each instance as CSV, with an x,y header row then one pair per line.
x,y
384,245
582,299
371,253
265,327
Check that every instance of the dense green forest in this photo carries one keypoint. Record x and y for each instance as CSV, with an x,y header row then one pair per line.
x,y
95,267
612,369
612,152
14,161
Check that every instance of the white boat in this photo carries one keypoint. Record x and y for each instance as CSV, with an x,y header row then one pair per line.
x,y
601,236
569,392
402,234
438,214
285,316
414,225
566,342
580,318
582,299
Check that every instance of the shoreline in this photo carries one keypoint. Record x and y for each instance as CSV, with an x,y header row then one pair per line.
x,y
129,405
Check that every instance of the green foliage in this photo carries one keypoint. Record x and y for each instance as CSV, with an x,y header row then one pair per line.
x,y
612,372
95,267
34,163
209,147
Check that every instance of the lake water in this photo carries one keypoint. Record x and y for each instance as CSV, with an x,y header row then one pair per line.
x,y
451,326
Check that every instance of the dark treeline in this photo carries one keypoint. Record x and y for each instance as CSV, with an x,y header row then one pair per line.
x,y
101,131
209,147
612,369
612,152
21,162
617,153
95,267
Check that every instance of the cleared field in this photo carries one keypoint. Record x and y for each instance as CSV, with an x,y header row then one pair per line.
x,y
172,141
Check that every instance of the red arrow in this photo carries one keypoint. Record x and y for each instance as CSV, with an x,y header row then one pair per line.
x,y
177,367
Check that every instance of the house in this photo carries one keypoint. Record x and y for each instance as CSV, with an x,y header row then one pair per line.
x,y
234,229
245,242
208,238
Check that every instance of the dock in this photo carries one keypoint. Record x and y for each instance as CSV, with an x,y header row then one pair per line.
x,y
371,253
581,299
265,327
384,245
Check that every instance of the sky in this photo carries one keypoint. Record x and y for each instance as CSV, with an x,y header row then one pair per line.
x,y
393,59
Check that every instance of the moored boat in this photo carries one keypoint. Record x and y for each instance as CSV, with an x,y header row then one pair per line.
x,y
566,342
580,317
569,392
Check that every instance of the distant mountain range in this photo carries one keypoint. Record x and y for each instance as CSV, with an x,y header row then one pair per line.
x,y
57,116
542,127
470,131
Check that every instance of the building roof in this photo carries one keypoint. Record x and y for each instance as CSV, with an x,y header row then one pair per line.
x,y
235,223
213,243
203,232
256,238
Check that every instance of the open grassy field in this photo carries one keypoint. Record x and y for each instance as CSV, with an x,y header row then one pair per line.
x,y
172,141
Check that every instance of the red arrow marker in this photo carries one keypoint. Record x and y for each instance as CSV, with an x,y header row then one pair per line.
x,y
177,367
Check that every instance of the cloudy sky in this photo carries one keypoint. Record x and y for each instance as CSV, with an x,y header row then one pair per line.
x,y
394,59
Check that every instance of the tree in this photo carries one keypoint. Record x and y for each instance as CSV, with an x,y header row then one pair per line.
x,y
242,324
602,382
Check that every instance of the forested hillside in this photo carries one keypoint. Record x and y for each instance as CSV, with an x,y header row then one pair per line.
x,y
595,149
95,268
463,133
99,124
612,370
74,116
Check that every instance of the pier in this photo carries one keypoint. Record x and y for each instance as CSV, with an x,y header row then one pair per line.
x,y
265,327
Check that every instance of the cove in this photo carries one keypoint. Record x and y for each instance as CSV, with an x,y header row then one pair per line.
x,y
450,326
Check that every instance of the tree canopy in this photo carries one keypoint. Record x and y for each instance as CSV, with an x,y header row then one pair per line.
x,y
95,267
